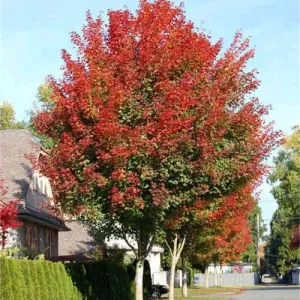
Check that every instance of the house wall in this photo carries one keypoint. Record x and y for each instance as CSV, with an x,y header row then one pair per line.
x,y
154,261
15,238
39,201
33,239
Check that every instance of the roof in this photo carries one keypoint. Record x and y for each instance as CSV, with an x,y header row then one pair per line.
x,y
16,171
121,244
75,242
34,215
15,168
78,241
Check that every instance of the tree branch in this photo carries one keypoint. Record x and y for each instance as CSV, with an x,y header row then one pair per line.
x,y
150,247
126,240
169,247
180,248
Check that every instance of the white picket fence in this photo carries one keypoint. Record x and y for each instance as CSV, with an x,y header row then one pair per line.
x,y
227,279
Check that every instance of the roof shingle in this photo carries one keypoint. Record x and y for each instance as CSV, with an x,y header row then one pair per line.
x,y
15,168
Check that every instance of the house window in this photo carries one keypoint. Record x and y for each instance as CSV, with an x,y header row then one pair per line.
x,y
50,243
32,239
42,239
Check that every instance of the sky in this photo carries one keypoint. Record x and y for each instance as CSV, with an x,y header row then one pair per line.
x,y
33,32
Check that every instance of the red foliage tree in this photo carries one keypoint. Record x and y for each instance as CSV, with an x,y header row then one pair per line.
x,y
151,119
8,215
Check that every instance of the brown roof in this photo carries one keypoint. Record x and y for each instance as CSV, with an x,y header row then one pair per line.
x,y
15,168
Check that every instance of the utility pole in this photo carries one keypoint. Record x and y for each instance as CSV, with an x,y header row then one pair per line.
x,y
257,243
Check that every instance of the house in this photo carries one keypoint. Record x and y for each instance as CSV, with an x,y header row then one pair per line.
x,y
39,232
43,232
77,243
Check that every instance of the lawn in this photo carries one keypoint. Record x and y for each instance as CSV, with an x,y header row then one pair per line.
x,y
193,292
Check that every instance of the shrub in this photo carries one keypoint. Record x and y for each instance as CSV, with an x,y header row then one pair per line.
x,y
103,280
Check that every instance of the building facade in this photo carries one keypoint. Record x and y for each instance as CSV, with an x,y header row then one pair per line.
x,y
23,182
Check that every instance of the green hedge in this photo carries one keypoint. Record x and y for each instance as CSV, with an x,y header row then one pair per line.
x,y
28,279
44,280
101,280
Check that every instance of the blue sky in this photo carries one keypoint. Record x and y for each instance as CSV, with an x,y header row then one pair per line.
x,y
33,32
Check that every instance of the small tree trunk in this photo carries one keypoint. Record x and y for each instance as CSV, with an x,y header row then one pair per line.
x,y
206,277
172,278
139,280
175,253
215,274
184,280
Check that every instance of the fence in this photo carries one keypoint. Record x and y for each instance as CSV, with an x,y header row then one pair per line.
x,y
227,279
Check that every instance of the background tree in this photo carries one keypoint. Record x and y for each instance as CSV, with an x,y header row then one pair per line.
x,y
250,255
151,120
229,236
285,179
45,102
7,117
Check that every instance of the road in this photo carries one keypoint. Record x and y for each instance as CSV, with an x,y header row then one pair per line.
x,y
269,292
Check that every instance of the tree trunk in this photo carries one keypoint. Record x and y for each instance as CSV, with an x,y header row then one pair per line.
x,y
142,251
139,280
184,280
172,278
178,245
215,275
206,277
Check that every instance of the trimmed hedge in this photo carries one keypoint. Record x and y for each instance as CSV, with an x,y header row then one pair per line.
x,y
45,280
29,279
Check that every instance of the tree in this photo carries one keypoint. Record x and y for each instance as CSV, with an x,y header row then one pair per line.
x,y
150,121
8,215
7,118
285,179
225,236
45,102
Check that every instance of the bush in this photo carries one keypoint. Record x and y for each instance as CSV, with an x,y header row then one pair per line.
x,y
103,280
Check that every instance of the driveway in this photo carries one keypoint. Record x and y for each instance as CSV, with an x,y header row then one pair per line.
x,y
269,292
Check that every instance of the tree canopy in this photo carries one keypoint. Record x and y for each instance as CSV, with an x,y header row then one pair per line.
x,y
153,124
7,117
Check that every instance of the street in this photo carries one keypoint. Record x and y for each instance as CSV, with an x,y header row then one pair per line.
x,y
269,292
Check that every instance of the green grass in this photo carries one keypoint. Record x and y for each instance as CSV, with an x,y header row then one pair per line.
x,y
194,298
201,292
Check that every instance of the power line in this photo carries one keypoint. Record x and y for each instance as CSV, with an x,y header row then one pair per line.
x,y
274,201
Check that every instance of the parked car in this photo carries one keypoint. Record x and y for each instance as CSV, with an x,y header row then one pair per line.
x,y
268,278
158,290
